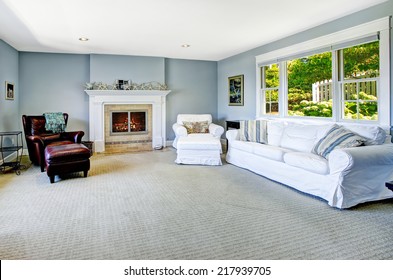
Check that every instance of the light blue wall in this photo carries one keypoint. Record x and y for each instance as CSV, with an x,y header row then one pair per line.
x,y
193,87
9,109
244,63
139,69
55,83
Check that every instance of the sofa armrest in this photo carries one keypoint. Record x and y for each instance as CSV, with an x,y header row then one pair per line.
x,y
361,157
361,171
216,130
232,134
75,136
179,130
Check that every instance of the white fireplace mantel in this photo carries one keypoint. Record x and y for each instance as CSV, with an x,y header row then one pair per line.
x,y
99,98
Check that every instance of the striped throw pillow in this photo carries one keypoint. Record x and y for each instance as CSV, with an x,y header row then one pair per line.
x,y
337,137
253,131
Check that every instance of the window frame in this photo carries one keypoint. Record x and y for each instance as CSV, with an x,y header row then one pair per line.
x,y
264,89
280,56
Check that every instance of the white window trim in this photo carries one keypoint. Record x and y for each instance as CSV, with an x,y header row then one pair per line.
x,y
381,25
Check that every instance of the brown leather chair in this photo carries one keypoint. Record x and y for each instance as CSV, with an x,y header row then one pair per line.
x,y
37,137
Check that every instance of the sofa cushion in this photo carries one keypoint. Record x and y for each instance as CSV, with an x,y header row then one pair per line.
x,y
196,127
270,152
274,132
302,137
336,138
243,146
253,131
267,151
307,161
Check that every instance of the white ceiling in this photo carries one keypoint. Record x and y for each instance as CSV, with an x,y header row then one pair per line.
x,y
215,29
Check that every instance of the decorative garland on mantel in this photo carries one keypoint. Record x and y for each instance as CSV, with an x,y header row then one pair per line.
x,y
126,86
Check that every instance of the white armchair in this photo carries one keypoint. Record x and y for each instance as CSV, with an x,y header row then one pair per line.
x,y
197,139
180,130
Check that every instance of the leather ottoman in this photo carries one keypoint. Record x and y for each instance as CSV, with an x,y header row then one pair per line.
x,y
62,159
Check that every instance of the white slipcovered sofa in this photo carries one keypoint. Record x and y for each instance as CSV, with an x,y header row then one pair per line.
x,y
345,178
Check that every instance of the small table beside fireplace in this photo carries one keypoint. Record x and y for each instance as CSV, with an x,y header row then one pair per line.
x,y
232,125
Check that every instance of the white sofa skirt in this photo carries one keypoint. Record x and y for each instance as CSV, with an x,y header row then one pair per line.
x,y
337,188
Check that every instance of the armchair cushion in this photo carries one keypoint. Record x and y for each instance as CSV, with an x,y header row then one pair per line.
x,y
38,126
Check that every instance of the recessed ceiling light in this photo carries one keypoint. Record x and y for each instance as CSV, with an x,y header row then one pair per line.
x,y
185,46
83,39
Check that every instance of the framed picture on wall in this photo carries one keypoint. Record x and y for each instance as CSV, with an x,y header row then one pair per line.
x,y
9,91
236,90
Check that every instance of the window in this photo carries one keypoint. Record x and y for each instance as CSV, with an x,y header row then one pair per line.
x,y
359,82
310,86
344,76
270,86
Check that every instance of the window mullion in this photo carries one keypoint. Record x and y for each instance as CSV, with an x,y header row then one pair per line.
x,y
283,90
337,70
259,92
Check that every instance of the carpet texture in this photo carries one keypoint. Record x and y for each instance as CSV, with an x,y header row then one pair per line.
x,y
144,206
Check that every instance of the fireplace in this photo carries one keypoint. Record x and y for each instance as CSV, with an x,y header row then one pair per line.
x,y
152,101
128,127
128,122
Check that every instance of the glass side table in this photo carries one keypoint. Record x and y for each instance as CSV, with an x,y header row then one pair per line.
x,y
11,150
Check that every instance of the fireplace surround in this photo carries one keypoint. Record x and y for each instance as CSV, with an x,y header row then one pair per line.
x,y
99,99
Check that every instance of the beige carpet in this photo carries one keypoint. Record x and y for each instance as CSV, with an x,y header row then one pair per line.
x,y
144,206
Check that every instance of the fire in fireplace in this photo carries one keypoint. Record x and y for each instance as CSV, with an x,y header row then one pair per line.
x,y
128,122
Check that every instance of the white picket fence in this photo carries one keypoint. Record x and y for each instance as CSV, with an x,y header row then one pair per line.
x,y
323,90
